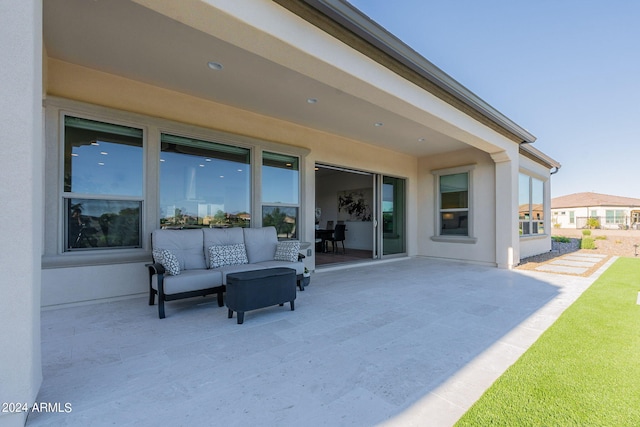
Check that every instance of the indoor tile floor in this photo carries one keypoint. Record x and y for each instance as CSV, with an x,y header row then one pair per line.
x,y
409,342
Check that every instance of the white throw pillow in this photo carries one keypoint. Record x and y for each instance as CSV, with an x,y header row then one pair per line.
x,y
221,255
287,250
168,260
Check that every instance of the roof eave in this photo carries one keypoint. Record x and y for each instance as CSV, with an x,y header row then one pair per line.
x,y
358,23
536,155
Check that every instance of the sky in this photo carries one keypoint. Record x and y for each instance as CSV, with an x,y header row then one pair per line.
x,y
567,71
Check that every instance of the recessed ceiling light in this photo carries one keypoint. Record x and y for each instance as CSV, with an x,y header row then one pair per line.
x,y
215,65
378,124
312,100
421,140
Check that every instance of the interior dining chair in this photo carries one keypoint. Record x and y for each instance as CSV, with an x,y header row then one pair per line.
x,y
338,236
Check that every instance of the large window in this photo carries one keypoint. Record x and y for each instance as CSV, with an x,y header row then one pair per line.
x,y
454,204
102,188
203,184
531,205
281,193
615,216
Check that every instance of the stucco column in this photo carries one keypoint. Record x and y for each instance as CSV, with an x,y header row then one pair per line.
x,y
21,216
507,237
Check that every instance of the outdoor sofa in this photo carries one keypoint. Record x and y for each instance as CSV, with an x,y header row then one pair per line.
x,y
195,262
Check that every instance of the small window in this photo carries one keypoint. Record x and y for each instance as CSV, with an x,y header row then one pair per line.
x,y
102,189
453,204
281,193
531,205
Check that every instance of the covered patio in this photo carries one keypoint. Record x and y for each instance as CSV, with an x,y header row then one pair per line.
x,y
406,342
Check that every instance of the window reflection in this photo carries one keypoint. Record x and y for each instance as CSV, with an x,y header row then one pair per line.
x,y
284,219
203,184
280,178
454,204
102,158
102,165
531,205
102,223
280,193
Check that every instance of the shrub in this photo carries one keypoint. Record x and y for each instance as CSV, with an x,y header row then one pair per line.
x,y
587,243
560,239
593,223
586,232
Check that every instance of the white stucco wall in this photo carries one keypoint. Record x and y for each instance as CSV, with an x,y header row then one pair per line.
x,y
483,205
92,283
21,194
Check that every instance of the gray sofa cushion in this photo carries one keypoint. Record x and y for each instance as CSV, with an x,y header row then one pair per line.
x,y
260,243
189,280
186,245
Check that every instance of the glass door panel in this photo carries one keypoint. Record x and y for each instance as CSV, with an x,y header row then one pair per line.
x,y
393,216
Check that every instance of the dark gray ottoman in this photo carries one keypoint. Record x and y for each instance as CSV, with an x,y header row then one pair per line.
x,y
250,290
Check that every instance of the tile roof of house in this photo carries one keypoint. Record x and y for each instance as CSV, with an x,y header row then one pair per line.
x,y
578,200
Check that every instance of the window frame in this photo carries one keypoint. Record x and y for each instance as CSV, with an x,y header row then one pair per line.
x,y
216,142
65,197
452,238
617,216
531,223
54,225
276,205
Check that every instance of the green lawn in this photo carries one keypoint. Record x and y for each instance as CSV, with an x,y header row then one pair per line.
x,y
583,371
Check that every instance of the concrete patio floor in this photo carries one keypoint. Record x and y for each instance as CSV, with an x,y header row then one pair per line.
x,y
409,342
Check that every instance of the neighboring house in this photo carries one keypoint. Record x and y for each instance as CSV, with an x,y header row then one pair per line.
x,y
120,117
588,210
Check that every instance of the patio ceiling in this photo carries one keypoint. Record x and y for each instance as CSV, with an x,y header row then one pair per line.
x,y
129,40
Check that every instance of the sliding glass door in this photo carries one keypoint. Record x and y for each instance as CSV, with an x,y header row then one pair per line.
x,y
371,205
393,216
